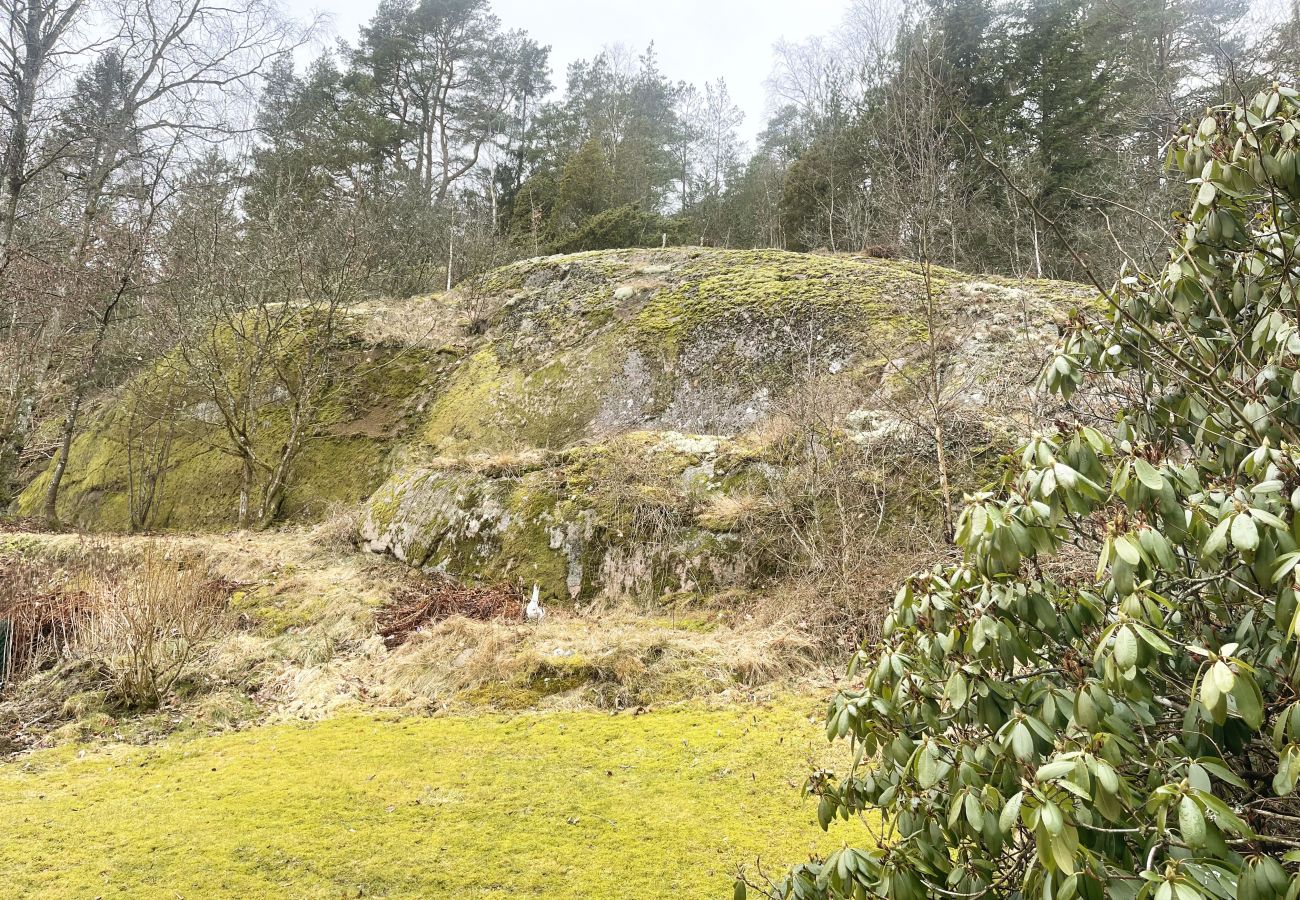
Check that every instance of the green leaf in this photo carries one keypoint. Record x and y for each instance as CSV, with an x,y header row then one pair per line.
x,y
1050,815
1191,821
927,766
825,812
1250,702
1223,676
1212,699
1022,742
1147,474
1011,812
1107,777
956,690
1218,539
1288,771
1126,648
1153,640
1285,564
1055,769
1127,551
1216,768
1245,535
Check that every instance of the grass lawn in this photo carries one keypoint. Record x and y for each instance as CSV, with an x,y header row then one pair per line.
x,y
555,805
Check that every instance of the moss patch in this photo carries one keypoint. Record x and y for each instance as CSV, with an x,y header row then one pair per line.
x,y
344,463
572,805
769,287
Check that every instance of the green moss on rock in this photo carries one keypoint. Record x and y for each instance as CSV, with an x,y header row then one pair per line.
x,y
199,483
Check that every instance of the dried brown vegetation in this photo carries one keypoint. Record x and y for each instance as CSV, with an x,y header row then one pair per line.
x,y
139,619
424,599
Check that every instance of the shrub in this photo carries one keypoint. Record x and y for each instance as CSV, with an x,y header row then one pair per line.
x,y
139,619
622,226
151,620
39,617
1025,732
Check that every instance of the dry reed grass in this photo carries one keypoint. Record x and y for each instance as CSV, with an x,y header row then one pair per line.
x,y
614,661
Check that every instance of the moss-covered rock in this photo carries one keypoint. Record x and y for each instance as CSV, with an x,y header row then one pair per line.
x,y
598,423
621,518
708,341
160,427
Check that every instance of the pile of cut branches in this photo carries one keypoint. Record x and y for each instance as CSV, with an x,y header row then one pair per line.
x,y
425,599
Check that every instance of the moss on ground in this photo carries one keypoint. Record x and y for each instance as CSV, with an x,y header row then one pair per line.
x,y
560,805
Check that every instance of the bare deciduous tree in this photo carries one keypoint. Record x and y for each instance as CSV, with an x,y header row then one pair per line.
x,y
170,78
266,304
923,199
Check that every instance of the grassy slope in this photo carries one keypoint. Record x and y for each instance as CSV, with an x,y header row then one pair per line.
x,y
561,805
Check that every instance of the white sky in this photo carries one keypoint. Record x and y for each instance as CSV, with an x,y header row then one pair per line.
x,y
697,40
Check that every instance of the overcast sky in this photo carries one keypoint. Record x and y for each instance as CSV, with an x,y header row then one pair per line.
x,y
697,40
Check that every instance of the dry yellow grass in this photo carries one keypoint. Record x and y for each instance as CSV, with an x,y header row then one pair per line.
x,y
305,646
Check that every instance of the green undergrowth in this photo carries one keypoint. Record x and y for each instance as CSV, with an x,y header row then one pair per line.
x,y
558,805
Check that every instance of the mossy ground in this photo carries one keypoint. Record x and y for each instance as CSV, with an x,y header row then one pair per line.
x,y
558,805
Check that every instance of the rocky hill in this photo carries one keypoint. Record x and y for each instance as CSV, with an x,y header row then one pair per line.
x,y
605,423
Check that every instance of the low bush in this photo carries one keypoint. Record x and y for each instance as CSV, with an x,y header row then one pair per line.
x,y
141,618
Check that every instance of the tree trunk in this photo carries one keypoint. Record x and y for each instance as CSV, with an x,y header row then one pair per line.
x,y
61,459
87,375
945,490
245,489
1038,256
936,388
74,411
12,444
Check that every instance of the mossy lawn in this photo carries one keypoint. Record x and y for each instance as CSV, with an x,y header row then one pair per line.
x,y
559,805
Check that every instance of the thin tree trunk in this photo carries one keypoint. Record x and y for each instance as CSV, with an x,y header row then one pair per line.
x,y
74,411
451,253
278,480
936,387
1038,255
92,355
61,459
245,489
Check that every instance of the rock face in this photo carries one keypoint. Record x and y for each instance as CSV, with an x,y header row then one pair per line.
x,y
628,517
596,423
666,368
705,341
